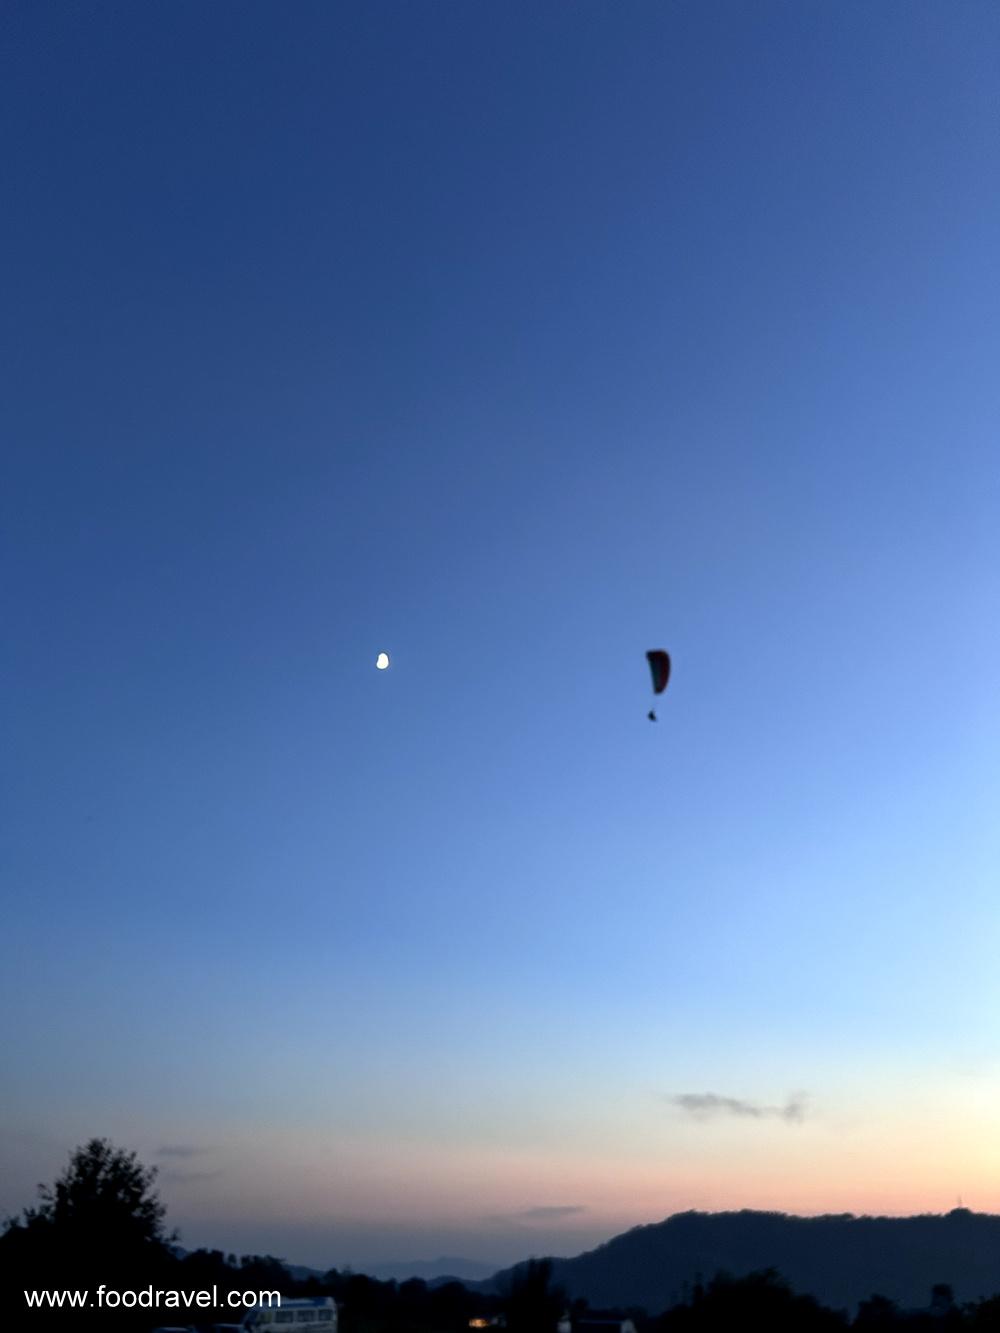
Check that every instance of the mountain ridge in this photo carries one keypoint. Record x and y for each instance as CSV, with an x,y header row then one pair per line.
x,y
434,1270
840,1258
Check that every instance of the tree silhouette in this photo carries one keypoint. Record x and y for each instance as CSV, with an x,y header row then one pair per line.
x,y
533,1305
758,1300
108,1191
101,1222
876,1312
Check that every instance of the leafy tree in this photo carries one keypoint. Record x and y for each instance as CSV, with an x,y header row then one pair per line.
x,y
876,1312
758,1300
102,1221
984,1316
107,1191
533,1305
262,1272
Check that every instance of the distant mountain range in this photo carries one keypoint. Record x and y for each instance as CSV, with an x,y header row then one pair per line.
x,y
840,1259
434,1270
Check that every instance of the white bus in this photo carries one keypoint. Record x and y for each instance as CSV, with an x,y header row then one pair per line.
x,y
315,1314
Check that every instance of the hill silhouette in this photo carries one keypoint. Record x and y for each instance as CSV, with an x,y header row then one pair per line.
x,y
447,1268
840,1259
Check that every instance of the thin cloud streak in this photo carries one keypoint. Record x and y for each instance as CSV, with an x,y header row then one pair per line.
x,y
170,1177
711,1105
525,1219
551,1212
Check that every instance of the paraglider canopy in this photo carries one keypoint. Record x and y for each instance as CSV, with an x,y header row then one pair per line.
x,y
659,667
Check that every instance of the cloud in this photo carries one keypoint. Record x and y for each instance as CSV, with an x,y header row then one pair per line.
x,y
524,1218
707,1105
175,1172
170,1177
551,1212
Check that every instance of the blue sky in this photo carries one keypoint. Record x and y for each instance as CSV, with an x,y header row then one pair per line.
x,y
511,340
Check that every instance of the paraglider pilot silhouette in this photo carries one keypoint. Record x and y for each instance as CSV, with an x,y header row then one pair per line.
x,y
659,667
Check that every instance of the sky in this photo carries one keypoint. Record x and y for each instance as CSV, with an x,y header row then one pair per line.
x,y
512,340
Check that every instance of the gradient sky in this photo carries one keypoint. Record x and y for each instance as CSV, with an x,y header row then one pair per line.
x,y
512,339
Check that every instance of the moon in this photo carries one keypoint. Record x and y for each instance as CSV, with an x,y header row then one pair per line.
x,y
382,661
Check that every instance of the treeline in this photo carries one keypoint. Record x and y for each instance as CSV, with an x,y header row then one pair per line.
x,y
365,1305
102,1224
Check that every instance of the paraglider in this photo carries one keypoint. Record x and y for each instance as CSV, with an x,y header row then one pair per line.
x,y
659,668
